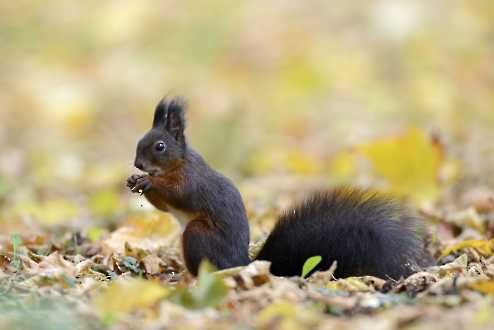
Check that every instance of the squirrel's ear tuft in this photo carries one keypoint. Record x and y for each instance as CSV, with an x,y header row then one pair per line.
x,y
160,114
170,116
175,119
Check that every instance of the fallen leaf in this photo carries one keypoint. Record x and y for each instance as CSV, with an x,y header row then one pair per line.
x,y
409,163
485,247
126,295
481,198
469,218
352,284
55,265
486,287
146,232
280,309
152,264
459,265
310,264
255,274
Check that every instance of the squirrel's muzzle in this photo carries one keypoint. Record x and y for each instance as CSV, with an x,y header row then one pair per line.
x,y
139,164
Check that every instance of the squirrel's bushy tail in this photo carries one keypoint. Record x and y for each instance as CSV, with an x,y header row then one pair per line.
x,y
365,233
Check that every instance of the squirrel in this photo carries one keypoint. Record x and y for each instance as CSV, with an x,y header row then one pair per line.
x,y
365,233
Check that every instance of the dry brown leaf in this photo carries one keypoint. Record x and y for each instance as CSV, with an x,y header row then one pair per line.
x,y
55,265
152,264
459,265
145,233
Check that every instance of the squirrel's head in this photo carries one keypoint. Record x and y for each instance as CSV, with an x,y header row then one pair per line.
x,y
163,147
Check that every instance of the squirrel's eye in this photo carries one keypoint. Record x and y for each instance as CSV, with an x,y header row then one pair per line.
x,y
160,146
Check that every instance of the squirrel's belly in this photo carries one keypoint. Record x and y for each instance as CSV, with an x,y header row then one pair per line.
x,y
182,217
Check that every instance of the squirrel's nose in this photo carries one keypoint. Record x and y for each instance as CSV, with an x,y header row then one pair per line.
x,y
139,164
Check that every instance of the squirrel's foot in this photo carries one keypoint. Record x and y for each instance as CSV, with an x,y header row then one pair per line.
x,y
139,183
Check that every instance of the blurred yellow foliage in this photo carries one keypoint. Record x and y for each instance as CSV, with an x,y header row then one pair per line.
x,y
76,123
484,247
286,315
52,212
352,284
151,224
343,166
104,203
126,295
95,233
300,163
409,163
291,161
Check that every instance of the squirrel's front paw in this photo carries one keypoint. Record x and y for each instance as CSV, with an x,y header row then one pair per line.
x,y
139,183
132,180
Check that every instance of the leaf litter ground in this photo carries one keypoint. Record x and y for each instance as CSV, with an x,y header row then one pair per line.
x,y
130,276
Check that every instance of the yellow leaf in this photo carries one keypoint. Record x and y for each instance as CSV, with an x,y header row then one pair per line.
x,y
351,284
126,295
281,309
486,287
342,166
484,247
300,163
410,164
286,315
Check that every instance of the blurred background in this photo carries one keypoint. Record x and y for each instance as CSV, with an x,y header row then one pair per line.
x,y
275,88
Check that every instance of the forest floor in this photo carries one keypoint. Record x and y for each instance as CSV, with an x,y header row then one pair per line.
x,y
130,275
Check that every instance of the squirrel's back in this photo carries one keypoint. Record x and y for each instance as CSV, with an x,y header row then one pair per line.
x,y
365,233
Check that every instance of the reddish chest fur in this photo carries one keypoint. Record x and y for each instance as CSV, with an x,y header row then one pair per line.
x,y
165,190
167,195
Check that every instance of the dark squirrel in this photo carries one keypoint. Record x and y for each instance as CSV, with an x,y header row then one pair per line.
x,y
365,233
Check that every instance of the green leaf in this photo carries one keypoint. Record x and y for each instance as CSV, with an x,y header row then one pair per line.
x,y
310,264
16,241
209,291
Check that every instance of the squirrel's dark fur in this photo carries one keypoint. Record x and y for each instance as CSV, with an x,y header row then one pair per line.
x,y
366,234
